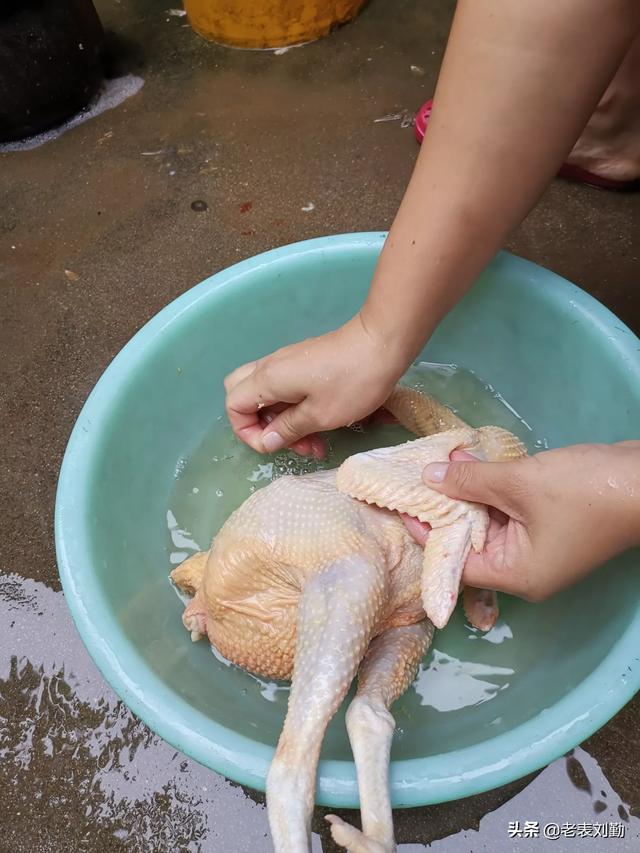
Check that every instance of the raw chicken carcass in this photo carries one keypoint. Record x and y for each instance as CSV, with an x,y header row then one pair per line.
x,y
316,578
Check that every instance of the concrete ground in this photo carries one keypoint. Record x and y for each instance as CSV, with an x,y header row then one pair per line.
x,y
98,231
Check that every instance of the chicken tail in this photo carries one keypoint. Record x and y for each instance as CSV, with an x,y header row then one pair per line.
x,y
188,575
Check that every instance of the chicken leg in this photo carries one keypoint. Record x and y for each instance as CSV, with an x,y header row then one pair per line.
x,y
386,672
337,615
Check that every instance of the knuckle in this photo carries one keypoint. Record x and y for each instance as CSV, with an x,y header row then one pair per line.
x,y
323,417
231,382
323,421
287,426
230,401
239,375
260,370
262,384
518,481
462,473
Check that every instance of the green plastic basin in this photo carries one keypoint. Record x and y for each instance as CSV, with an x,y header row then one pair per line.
x,y
552,675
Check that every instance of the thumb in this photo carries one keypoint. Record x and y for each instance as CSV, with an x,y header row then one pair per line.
x,y
290,425
497,484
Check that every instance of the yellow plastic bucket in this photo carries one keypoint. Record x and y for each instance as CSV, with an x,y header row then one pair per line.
x,y
268,23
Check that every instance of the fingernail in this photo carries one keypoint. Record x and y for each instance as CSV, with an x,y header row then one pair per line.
x,y
436,472
273,441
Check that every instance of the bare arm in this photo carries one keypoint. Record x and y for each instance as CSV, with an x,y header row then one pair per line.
x,y
518,83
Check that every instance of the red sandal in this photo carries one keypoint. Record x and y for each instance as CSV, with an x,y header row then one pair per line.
x,y
566,171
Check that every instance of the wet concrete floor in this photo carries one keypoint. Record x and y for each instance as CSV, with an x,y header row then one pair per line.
x,y
214,159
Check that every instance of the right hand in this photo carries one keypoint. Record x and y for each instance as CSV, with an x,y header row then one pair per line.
x,y
560,514
322,383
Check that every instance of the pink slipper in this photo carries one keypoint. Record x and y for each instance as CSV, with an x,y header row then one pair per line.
x,y
566,171
422,119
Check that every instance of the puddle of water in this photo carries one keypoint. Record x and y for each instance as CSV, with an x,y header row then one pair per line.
x,y
79,772
553,813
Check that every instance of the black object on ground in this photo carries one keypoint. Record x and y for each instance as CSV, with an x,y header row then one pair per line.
x,y
50,63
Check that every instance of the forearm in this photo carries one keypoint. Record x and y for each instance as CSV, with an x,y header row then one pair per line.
x,y
519,80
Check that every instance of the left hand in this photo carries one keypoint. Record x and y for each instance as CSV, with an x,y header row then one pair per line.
x,y
286,398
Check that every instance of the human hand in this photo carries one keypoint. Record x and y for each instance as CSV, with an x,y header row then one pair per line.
x,y
556,516
322,383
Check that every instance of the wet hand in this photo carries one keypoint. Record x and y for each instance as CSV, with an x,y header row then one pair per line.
x,y
556,516
286,398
